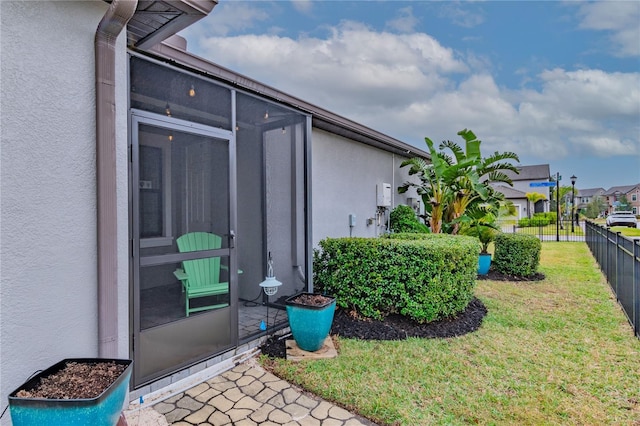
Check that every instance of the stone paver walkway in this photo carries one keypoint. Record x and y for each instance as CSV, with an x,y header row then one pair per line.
x,y
245,395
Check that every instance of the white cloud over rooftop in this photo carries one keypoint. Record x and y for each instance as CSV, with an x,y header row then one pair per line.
x,y
408,84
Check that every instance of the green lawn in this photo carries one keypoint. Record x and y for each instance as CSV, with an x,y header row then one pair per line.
x,y
625,230
558,351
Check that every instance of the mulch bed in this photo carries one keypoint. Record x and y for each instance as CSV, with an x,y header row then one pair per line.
x,y
494,275
76,381
394,327
398,327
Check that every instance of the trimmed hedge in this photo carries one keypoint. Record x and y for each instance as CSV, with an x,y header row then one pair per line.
x,y
404,219
551,216
517,254
534,221
538,219
425,277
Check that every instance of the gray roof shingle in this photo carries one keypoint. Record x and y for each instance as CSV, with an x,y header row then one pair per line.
x,y
620,189
536,172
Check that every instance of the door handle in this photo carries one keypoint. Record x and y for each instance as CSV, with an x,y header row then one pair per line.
x,y
232,239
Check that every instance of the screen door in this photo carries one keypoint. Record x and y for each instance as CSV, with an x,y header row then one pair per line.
x,y
183,244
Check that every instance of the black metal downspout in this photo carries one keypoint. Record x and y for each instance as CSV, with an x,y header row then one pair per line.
x,y
113,22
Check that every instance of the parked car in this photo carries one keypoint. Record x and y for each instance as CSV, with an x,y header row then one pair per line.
x,y
622,219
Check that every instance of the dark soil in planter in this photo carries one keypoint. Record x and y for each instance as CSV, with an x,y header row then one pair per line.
x,y
76,381
394,327
311,300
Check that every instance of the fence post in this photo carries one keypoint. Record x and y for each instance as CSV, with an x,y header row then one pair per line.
x,y
636,286
618,263
606,242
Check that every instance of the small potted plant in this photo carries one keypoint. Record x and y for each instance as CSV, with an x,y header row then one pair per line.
x,y
486,234
75,391
485,230
310,318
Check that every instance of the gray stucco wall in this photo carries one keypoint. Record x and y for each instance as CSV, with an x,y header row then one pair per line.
x,y
48,278
344,178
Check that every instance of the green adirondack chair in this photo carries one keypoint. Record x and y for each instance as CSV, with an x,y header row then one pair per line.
x,y
200,277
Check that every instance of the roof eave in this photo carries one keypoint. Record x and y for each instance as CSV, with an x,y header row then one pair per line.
x,y
322,118
155,21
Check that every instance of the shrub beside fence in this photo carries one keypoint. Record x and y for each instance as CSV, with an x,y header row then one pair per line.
x,y
619,260
517,254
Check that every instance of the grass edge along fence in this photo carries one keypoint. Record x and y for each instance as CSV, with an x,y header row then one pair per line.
x,y
619,260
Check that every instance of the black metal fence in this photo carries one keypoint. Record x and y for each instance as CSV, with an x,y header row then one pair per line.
x,y
564,230
619,259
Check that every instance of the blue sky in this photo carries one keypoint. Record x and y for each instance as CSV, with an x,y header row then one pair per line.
x,y
554,82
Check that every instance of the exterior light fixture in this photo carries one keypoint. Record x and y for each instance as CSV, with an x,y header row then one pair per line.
x,y
270,287
167,110
170,137
266,115
270,284
192,91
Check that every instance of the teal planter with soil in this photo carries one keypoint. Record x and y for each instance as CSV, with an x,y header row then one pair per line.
x,y
310,318
75,391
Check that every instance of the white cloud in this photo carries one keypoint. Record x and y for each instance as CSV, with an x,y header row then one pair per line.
x,y
228,18
303,6
593,93
604,146
408,86
405,22
620,18
461,14
354,62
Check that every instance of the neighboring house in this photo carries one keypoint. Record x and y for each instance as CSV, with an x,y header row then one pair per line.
x,y
585,196
529,179
106,162
615,193
633,196
518,198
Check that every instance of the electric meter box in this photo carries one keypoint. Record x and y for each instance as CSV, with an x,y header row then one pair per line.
x,y
383,191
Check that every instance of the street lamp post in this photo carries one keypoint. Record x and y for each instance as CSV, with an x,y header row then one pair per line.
x,y
558,218
573,199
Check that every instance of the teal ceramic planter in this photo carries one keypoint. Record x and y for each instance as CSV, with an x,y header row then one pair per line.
x,y
103,410
310,325
484,263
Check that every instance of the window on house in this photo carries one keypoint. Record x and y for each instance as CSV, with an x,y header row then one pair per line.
x,y
634,197
155,189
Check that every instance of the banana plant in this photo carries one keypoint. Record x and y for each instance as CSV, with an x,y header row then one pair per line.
x,y
451,184
532,199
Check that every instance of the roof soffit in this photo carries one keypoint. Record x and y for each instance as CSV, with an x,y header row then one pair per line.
x,y
155,21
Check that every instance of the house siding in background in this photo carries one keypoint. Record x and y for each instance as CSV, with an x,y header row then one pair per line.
x,y
522,185
634,198
615,193
585,196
